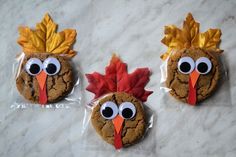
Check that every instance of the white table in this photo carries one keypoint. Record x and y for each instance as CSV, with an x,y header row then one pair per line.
x,y
133,29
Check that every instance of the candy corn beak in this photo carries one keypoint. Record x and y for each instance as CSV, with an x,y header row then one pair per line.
x,y
118,122
41,78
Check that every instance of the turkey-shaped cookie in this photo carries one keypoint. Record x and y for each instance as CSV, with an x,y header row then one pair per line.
x,y
45,75
193,67
118,114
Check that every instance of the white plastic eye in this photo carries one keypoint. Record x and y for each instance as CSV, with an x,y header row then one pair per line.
x,y
51,66
33,66
203,65
186,65
109,110
127,110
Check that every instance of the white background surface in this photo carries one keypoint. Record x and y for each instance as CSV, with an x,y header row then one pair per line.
x,y
132,29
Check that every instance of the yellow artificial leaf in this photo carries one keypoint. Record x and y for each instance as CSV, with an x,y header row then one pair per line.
x,y
164,56
173,37
190,31
210,39
189,36
46,39
30,40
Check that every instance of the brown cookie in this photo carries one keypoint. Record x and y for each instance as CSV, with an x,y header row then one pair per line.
x,y
132,128
59,77
180,66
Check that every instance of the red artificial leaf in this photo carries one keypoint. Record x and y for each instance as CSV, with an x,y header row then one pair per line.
x,y
116,79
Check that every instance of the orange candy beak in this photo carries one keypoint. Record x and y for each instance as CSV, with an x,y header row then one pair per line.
x,y
192,95
194,77
41,78
118,122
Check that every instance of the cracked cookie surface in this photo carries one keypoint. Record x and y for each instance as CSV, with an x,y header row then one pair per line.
x,y
133,129
58,86
179,83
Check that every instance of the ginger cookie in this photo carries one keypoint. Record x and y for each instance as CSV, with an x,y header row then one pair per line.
x,y
194,60
125,107
118,115
193,66
59,79
45,74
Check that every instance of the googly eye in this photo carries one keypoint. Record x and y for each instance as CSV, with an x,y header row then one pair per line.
x,y
203,65
109,110
127,110
51,66
33,66
186,65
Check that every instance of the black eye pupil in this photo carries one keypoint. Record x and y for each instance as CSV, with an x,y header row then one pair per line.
x,y
34,68
51,68
185,67
202,67
107,112
127,113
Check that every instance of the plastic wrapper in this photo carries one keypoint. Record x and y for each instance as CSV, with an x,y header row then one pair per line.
x,y
44,74
193,69
137,133
25,89
117,118
219,94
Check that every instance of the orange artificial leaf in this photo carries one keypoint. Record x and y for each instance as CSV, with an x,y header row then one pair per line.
x,y
117,79
46,39
189,36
